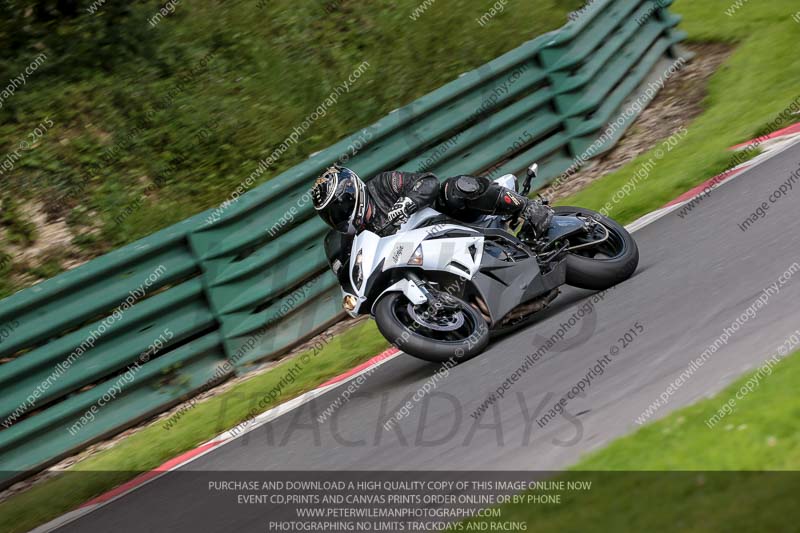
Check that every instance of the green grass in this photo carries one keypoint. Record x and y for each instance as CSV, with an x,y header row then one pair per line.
x,y
154,445
638,486
756,84
18,231
250,111
271,67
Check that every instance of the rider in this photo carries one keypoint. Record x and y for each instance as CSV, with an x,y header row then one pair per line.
x,y
349,206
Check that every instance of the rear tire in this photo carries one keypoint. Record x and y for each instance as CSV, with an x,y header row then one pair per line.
x,y
398,327
599,274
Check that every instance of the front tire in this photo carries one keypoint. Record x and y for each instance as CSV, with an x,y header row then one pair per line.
x,y
606,265
394,315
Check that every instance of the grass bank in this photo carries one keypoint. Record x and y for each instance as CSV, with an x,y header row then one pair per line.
x,y
245,110
679,473
171,133
175,127
752,88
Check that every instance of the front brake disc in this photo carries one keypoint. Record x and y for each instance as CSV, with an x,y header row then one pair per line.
x,y
437,322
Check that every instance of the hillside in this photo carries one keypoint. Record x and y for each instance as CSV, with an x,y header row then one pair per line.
x,y
130,120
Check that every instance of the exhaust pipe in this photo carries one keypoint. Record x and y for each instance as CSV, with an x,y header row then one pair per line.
x,y
529,308
483,309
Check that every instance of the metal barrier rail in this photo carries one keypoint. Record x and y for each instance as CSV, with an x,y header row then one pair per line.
x,y
245,281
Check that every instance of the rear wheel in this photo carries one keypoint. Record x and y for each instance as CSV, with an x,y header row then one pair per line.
x,y
605,264
456,331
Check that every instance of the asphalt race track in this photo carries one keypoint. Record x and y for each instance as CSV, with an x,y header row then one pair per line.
x,y
697,275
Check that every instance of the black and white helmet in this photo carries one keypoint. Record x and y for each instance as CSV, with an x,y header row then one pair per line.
x,y
340,199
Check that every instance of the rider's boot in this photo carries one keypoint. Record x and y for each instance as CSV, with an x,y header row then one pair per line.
x,y
535,215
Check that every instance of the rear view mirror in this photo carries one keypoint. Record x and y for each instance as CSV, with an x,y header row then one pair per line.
x,y
533,171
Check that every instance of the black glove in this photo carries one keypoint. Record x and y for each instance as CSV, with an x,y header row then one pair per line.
x,y
401,210
538,215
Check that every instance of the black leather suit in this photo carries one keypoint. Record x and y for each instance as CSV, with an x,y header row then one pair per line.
x,y
462,197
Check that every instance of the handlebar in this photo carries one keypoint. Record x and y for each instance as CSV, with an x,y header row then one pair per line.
x,y
526,185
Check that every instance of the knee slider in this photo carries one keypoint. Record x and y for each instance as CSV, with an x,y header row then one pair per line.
x,y
468,186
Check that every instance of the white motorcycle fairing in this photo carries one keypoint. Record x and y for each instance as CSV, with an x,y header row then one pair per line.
x,y
439,288
460,256
494,269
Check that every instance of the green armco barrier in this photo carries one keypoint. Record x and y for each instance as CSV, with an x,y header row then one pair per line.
x,y
25,446
248,280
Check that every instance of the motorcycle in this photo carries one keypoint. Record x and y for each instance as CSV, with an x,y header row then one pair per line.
x,y
440,288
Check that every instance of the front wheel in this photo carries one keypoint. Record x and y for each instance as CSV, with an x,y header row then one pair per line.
x,y
603,265
456,332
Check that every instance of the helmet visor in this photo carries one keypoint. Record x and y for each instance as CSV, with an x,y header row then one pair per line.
x,y
338,214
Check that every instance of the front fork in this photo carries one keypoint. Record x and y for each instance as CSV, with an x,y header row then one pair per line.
x,y
436,300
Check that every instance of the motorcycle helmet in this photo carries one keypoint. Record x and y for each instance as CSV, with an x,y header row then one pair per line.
x,y
340,199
